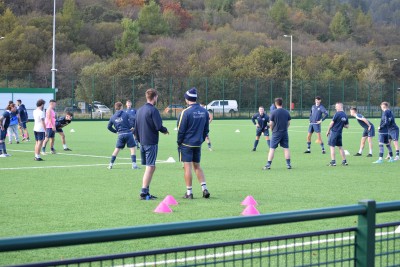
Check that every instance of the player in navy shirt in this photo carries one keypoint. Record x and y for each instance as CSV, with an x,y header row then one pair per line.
x,y
368,133
61,122
193,127
148,124
334,133
23,116
279,123
120,124
387,129
318,114
261,120
132,116
4,123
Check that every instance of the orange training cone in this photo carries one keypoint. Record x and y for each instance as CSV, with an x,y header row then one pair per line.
x,y
170,200
163,208
249,200
250,210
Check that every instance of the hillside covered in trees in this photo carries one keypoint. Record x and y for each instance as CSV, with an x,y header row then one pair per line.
x,y
332,39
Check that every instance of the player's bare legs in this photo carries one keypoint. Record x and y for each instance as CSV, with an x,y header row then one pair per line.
x,y
188,173
147,176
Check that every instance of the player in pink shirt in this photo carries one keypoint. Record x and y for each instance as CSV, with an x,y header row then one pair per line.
x,y
50,122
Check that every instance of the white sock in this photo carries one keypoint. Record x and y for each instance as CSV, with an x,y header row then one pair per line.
x,y
360,151
370,152
203,186
65,146
188,191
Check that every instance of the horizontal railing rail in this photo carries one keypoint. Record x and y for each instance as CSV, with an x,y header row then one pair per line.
x,y
158,230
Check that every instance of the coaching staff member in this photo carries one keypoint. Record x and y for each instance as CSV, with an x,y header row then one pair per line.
x,y
193,127
148,124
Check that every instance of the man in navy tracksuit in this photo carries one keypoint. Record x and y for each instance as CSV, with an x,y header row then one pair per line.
x,y
148,124
23,116
193,127
120,124
132,116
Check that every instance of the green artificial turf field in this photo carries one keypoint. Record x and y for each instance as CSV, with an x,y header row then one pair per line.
x,y
74,191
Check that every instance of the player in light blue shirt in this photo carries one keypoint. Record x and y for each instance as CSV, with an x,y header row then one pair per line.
x,y
318,114
368,133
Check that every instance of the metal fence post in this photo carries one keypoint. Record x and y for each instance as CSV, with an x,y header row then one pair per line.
x,y
365,235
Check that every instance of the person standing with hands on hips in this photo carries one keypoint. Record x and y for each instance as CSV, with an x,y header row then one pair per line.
x,y
193,127
334,133
148,124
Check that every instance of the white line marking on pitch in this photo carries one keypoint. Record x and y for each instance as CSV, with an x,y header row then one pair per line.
x,y
66,154
73,166
247,251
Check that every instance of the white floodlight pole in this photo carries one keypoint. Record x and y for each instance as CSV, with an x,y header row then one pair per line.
x,y
291,71
53,67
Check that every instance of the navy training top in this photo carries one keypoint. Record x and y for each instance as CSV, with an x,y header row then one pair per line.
x,y
6,119
61,122
262,120
318,113
119,123
387,122
339,121
193,126
148,125
359,118
23,114
280,117
132,116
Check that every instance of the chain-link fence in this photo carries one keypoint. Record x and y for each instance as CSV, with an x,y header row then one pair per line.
x,y
82,93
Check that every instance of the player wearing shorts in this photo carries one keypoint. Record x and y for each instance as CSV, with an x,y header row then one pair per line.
x,y
39,127
4,123
13,127
120,124
261,120
132,116
23,116
208,141
387,129
61,122
147,127
50,122
193,127
368,133
279,123
318,114
334,134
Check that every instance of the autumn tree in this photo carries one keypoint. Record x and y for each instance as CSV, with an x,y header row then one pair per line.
x,y
8,21
129,42
176,16
151,21
340,27
279,13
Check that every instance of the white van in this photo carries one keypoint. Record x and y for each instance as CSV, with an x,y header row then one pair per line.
x,y
219,106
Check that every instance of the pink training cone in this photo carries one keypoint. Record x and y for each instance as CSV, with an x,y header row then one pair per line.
x,y
249,200
162,208
250,210
170,200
